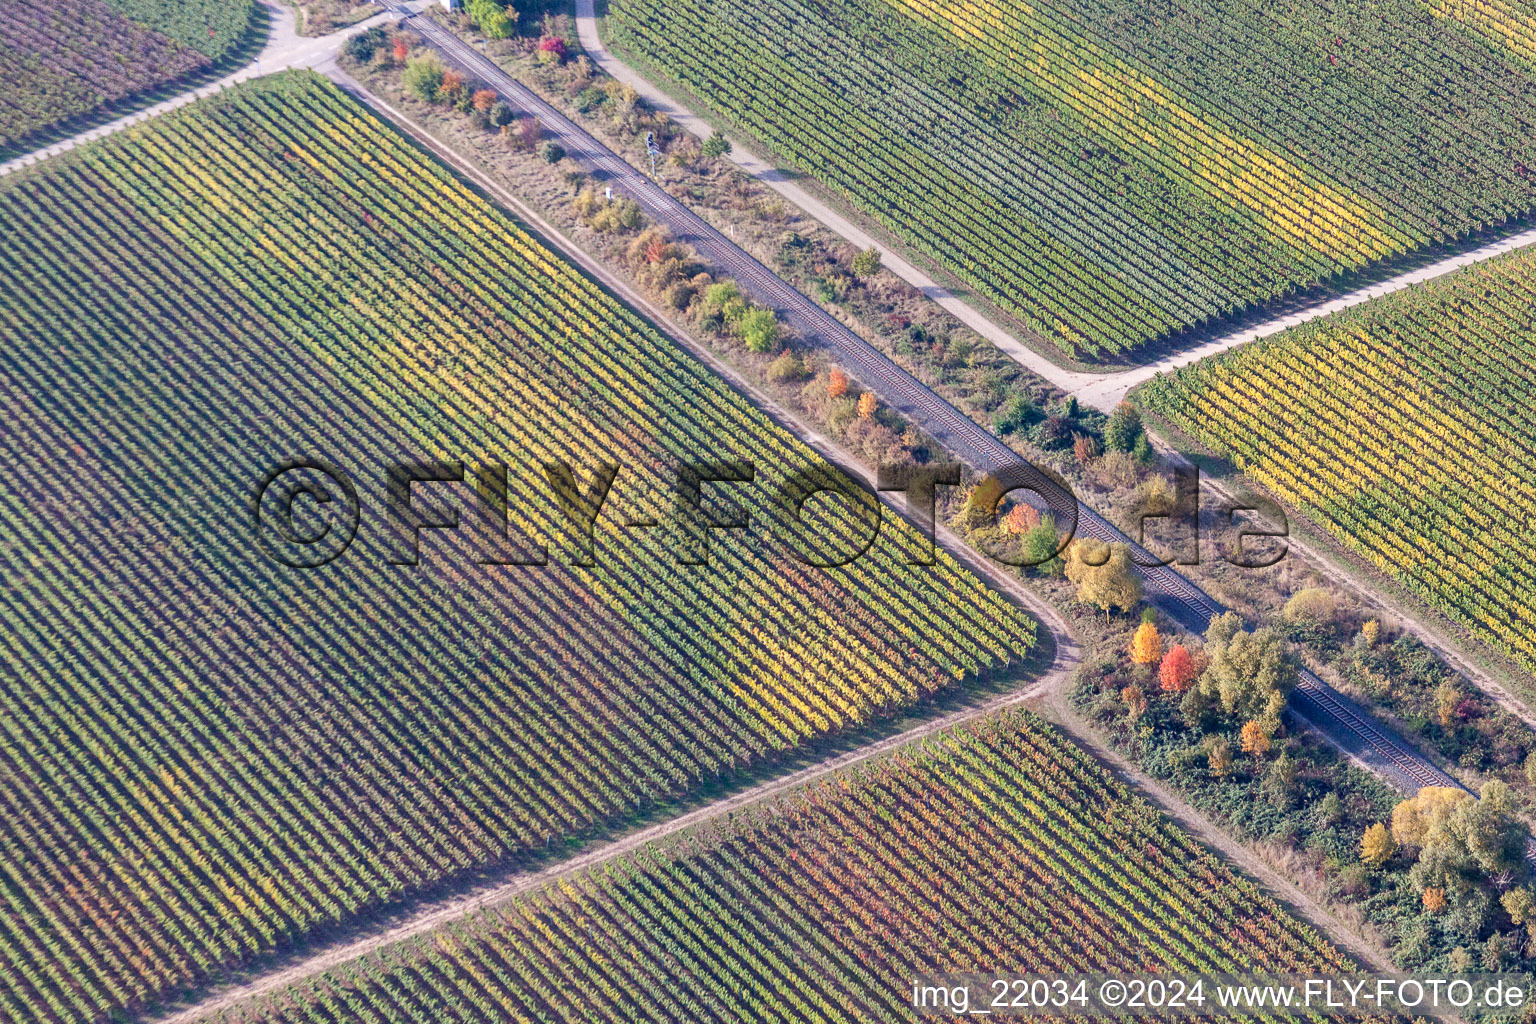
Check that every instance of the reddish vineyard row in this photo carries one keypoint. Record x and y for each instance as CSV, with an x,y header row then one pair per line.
x,y
996,848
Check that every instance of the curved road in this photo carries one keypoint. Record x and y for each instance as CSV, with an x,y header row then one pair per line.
x,y
1333,714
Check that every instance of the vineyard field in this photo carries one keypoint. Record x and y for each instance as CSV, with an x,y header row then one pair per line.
x,y
205,753
1404,428
61,59
996,845
1115,174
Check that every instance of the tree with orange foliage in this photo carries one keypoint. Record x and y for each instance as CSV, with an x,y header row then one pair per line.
x,y
837,383
1146,644
1022,518
402,48
453,81
1255,739
484,100
1177,671
867,405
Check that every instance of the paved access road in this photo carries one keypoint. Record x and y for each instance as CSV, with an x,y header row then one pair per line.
x,y
1336,716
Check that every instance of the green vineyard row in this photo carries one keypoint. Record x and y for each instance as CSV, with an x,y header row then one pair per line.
x,y
1111,174
1404,427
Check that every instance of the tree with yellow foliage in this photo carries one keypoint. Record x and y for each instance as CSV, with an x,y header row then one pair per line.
x,y
867,405
837,383
1377,846
1255,738
1103,575
1425,819
1457,833
1146,644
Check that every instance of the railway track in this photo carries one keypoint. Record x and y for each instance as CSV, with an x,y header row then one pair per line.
x,y
1186,603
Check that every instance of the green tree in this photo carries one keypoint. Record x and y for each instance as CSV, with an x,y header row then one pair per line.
x,y
491,18
758,329
866,263
1123,429
423,77
1041,548
1248,674
1279,785
552,152
1330,809
716,146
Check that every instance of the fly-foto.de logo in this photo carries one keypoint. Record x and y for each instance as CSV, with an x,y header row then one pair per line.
x,y
306,513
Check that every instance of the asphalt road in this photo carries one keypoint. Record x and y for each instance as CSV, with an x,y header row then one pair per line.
x,y
1332,713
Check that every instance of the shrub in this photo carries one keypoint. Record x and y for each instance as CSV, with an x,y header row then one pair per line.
x,y
758,329
1051,433
551,50
1016,413
451,88
787,367
1040,548
1118,470
1313,604
423,77
866,263
361,48
552,152
1157,496
715,146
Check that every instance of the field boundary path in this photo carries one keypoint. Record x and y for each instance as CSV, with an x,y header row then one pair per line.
x,y
1098,390
284,49
1345,724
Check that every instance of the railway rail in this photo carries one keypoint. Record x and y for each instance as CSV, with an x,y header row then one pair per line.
x,y
1313,699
